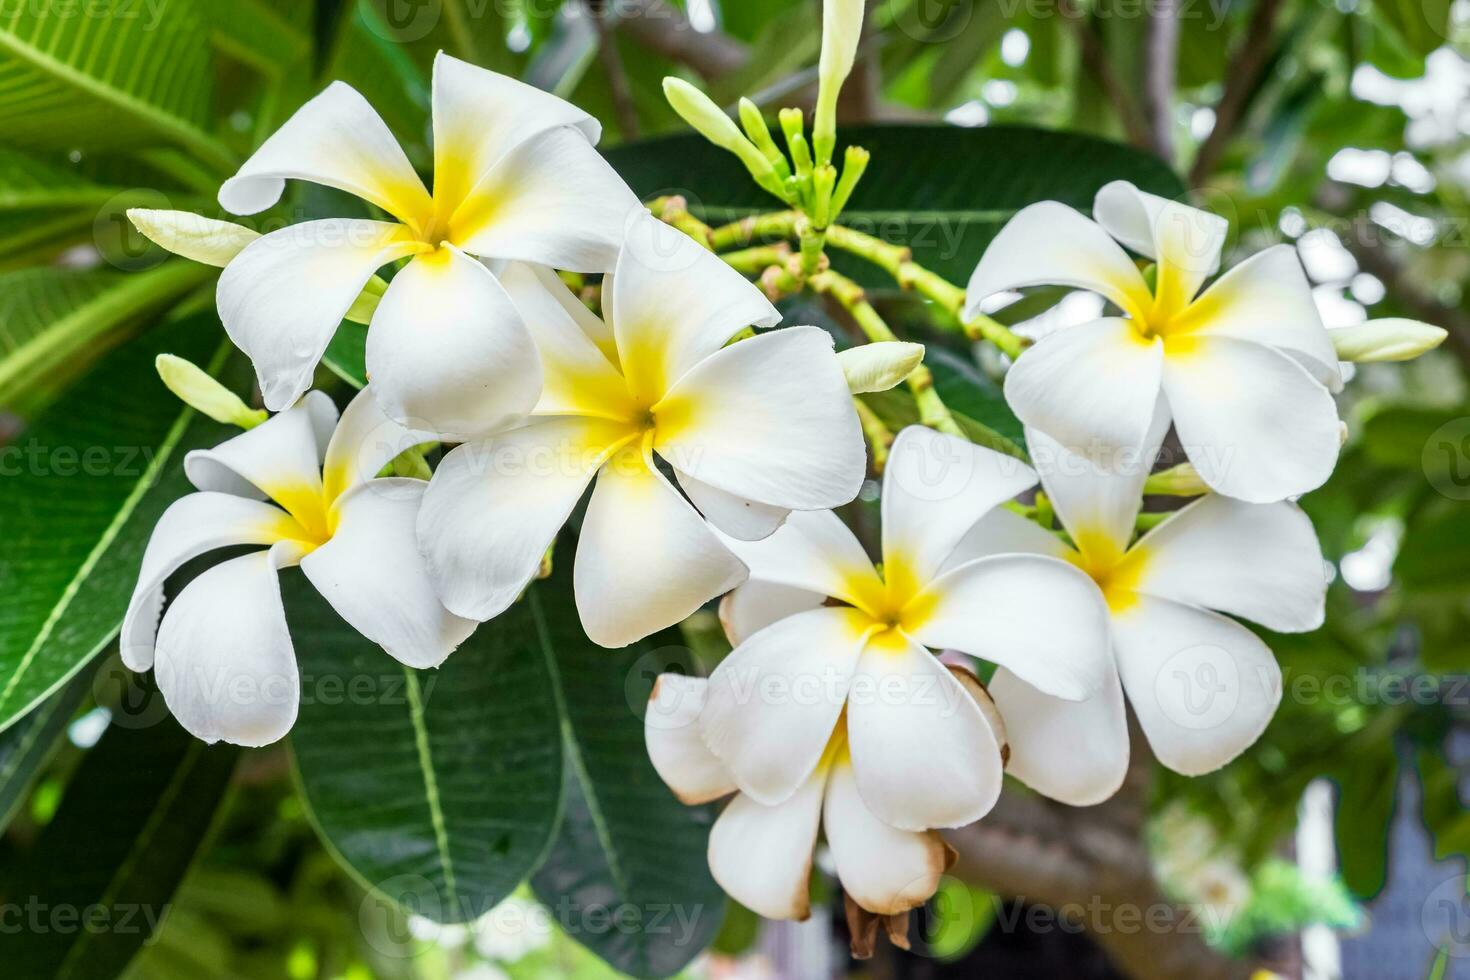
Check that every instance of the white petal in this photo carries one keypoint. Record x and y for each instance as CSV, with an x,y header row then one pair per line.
x,y
1253,422
674,304
747,609
1098,499
493,508
773,702
671,733
447,350
1042,618
192,235
284,296
1203,686
1050,244
762,855
645,558
935,488
1267,299
1004,532
768,419
281,459
479,116
365,441
577,378
813,551
734,515
1092,387
1258,561
1072,751
924,754
225,663
192,525
887,871
554,200
373,575
337,140
1184,241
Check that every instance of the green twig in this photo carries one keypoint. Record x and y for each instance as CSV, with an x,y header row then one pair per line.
x,y
674,210
879,436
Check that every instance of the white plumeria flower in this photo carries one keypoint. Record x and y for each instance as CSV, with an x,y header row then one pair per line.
x,y
1245,368
515,177
762,855
1202,686
752,431
222,654
821,635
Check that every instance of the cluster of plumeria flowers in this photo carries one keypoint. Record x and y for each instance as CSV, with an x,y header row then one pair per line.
x,y
853,699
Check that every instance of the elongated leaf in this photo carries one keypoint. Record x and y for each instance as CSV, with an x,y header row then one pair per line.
x,y
26,182
26,745
51,317
134,816
944,191
627,876
80,493
438,789
257,32
106,74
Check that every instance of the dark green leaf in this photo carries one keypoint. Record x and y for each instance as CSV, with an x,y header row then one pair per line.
x,y
438,789
82,489
26,745
627,876
101,876
1367,794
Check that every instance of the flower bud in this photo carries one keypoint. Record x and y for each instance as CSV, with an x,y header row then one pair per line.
x,y
696,108
880,366
201,392
842,29
192,235
1392,339
1177,481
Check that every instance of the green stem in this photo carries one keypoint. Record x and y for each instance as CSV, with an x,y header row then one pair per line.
x,y
879,436
753,261
674,209
932,410
736,234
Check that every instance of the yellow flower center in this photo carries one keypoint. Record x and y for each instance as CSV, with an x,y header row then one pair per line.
x,y
1116,571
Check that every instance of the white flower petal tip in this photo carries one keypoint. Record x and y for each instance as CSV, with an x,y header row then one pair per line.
x,y
879,366
1185,239
1390,339
671,734
1075,752
762,855
192,235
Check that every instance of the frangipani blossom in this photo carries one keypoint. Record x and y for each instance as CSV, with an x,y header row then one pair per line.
x,y
1245,367
752,431
1202,686
307,493
762,855
822,636
515,177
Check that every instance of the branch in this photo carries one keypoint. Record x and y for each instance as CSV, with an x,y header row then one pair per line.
x,y
1241,75
612,67
1161,71
664,29
1095,57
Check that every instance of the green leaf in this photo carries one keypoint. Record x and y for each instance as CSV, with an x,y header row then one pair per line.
x,y
967,391
942,190
110,73
135,814
627,877
437,789
26,745
27,182
1367,794
257,33
81,491
52,316
346,355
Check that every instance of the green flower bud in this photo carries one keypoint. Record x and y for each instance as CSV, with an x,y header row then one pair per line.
x,y
201,392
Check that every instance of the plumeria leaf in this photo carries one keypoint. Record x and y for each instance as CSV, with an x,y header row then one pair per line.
x,y
26,745
942,190
82,489
261,33
627,876
437,789
28,182
136,813
95,81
